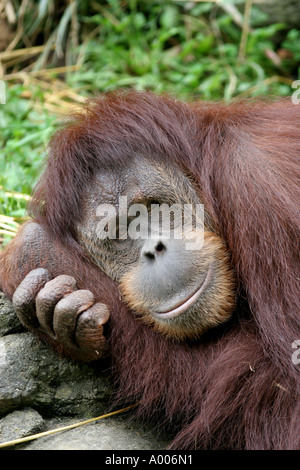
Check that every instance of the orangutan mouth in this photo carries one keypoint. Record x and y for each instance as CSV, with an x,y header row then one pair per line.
x,y
187,303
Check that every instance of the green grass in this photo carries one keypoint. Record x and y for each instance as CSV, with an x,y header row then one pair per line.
x,y
23,141
191,52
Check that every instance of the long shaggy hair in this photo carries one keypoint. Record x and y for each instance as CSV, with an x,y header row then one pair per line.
x,y
238,388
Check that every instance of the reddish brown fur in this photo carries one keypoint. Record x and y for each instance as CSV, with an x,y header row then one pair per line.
x,y
238,387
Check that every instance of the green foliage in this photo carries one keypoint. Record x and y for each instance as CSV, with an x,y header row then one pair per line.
x,y
188,49
23,139
292,44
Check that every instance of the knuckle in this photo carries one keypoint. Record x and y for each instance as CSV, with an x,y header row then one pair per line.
x,y
55,289
63,281
43,296
30,286
77,300
101,311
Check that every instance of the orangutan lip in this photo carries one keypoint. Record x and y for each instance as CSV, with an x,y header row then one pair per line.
x,y
182,307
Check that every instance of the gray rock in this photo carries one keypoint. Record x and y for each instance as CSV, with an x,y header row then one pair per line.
x,y
32,375
108,434
9,322
20,424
